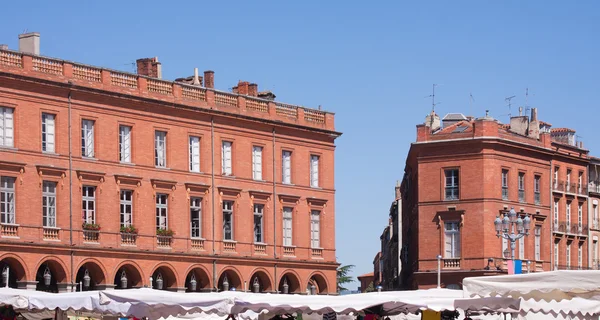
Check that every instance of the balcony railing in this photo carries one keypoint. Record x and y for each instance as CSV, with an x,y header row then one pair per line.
x,y
571,228
51,234
9,230
229,246
164,241
451,263
571,267
260,248
289,251
317,252
91,236
197,244
128,239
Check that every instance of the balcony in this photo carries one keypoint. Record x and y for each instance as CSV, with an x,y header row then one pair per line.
x,y
9,230
51,234
451,263
164,242
316,252
91,236
559,186
571,228
289,251
128,239
260,248
229,246
197,244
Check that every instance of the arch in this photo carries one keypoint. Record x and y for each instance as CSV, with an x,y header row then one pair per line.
x,y
168,274
202,277
133,275
17,269
96,272
57,271
233,278
262,277
292,279
319,280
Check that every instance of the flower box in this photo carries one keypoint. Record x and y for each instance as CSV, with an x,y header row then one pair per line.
x,y
129,229
90,226
165,232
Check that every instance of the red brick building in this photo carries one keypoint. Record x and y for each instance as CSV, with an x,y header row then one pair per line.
x,y
116,180
462,173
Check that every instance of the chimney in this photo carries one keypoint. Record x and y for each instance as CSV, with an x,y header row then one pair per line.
x,y
209,79
29,43
149,67
253,90
242,87
196,81
534,125
397,189
3,47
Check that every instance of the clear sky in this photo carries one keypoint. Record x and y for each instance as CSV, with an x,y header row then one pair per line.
x,y
371,62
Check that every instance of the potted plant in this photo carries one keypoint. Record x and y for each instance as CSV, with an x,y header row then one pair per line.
x,y
130,229
90,226
165,232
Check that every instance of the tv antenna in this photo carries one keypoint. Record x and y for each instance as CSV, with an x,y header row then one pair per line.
x,y
432,96
508,100
471,100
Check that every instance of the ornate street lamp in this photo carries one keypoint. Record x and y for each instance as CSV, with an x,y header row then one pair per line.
x,y
47,276
123,280
159,281
193,283
256,285
225,283
286,287
505,228
86,279
439,270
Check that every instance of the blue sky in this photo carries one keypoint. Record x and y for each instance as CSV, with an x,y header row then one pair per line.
x,y
372,63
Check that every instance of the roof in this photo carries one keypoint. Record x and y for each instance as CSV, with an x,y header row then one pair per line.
x,y
561,130
459,127
454,116
544,123
366,275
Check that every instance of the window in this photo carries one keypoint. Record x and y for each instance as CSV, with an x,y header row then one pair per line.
x,y
6,127
568,180
451,184
452,240
522,248
258,223
226,158
286,165
7,199
568,215
580,217
48,132
315,229
521,186
88,204
505,250
257,163
125,144
160,149
196,217
227,220
538,242
49,204
555,214
194,154
580,182
556,177
536,190
87,138
568,256
595,254
595,222
580,255
556,255
126,208
504,184
162,221
287,226
314,171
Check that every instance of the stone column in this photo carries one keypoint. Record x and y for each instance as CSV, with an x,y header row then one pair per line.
x,y
27,285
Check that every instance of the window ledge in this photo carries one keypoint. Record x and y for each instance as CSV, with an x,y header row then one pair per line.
x,y
162,168
293,246
49,153
260,243
287,184
52,228
196,172
194,238
317,187
230,241
228,176
8,148
317,248
89,158
127,163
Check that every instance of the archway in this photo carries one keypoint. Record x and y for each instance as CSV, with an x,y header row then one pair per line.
x,y
289,283
164,278
197,280
128,276
49,275
317,284
260,282
89,276
229,280
11,270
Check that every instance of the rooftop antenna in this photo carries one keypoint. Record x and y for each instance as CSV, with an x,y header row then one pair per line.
x,y
471,100
432,96
508,100
133,66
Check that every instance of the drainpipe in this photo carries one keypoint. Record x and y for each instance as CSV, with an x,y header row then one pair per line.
x,y
70,191
274,205
215,284
275,286
212,176
552,257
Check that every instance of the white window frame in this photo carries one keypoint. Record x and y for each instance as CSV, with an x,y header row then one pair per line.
x,y
194,153
228,213
452,237
162,211
315,229
556,253
7,127
7,200
595,222
314,170
536,189
505,194
538,242
288,229
160,149
226,155
286,167
568,216
48,132
580,216
258,223
195,217
521,185
568,255
556,169
257,162
126,202
580,182
568,186
580,255
49,204
88,204
556,214
125,143
452,184
87,138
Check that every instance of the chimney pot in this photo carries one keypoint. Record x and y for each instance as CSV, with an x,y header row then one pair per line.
x,y
3,47
209,79
29,43
253,89
149,67
196,78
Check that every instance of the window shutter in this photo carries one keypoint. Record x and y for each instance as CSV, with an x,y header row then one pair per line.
x,y
125,144
257,163
89,139
286,167
226,157
314,179
195,154
50,132
448,245
2,112
8,127
456,245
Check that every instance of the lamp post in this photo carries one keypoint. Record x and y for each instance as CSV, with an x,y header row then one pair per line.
x,y
439,271
506,227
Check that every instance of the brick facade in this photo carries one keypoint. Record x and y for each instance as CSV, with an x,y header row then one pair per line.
x,y
33,85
